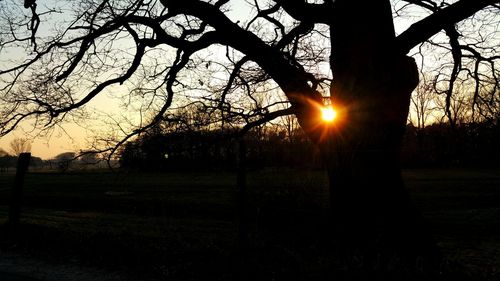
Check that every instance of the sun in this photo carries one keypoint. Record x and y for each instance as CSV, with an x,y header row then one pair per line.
x,y
328,114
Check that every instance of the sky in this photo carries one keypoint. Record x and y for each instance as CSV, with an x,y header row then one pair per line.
x,y
47,147
73,137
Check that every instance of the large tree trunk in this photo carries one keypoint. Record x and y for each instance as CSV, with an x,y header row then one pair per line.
x,y
372,86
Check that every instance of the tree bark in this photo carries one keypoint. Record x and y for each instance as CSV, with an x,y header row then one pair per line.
x,y
372,86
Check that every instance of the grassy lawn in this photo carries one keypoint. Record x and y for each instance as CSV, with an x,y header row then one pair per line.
x,y
182,226
463,207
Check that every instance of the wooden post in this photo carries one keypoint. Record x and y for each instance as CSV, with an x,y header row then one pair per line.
x,y
242,194
242,267
17,192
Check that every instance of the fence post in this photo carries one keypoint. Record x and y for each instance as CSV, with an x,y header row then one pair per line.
x,y
242,267
17,192
242,194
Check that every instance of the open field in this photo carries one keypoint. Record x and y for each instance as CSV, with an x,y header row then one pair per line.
x,y
182,226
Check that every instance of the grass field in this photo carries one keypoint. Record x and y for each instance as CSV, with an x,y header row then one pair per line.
x,y
182,226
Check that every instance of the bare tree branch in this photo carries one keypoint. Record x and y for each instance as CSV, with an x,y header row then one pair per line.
x,y
424,29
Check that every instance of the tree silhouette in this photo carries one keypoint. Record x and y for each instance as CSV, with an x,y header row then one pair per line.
x,y
63,160
20,145
3,153
344,49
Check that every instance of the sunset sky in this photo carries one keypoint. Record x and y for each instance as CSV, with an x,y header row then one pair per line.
x,y
73,137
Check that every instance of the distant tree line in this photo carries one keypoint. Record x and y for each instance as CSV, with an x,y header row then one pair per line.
x,y
474,144
436,145
10,161
217,149
62,162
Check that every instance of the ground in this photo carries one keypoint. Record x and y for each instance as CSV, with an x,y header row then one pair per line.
x,y
183,225
16,266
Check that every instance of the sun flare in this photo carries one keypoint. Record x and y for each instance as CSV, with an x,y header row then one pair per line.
x,y
328,114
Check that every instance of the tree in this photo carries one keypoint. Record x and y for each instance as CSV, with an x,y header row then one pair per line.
x,y
63,160
20,145
88,158
345,50
5,160
458,109
422,104
3,153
